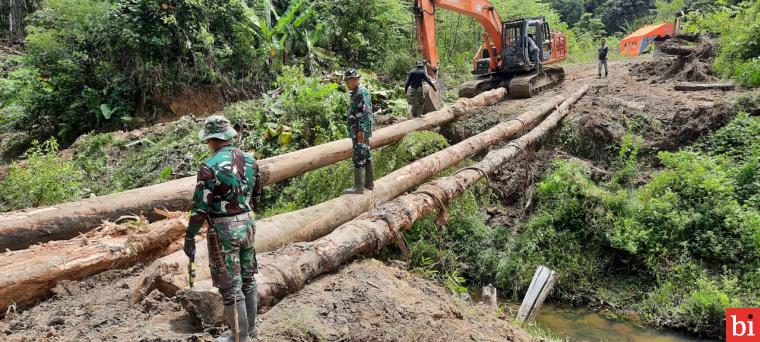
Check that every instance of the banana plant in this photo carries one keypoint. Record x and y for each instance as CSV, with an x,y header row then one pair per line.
x,y
311,38
276,34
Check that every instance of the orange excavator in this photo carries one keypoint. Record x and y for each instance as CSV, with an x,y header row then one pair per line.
x,y
513,55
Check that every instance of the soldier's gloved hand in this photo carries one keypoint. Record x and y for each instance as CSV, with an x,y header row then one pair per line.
x,y
189,247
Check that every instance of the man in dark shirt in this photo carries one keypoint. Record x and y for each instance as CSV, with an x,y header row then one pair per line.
x,y
602,59
416,97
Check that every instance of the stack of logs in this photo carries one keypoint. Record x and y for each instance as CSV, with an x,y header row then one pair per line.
x,y
287,262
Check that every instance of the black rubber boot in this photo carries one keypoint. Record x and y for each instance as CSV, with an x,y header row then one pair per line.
x,y
358,188
251,303
369,177
238,321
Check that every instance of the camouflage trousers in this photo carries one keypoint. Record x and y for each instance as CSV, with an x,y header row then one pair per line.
x,y
361,153
417,101
232,257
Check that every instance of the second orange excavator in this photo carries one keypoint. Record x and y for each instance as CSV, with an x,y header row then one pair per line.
x,y
515,54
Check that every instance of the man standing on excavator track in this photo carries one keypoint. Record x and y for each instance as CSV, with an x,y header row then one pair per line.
x,y
417,96
228,182
359,125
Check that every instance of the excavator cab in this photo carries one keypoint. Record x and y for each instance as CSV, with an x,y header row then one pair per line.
x,y
517,57
503,59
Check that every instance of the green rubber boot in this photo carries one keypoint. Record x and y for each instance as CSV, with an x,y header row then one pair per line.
x,y
251,301
238,322
358,188
369,177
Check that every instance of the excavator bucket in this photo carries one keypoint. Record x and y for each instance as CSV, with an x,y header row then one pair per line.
x,y
433,98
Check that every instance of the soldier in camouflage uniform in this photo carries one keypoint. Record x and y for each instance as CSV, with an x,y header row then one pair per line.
x,y
359,125
224,195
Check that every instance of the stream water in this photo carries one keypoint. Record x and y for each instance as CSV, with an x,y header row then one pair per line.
x,y
581,324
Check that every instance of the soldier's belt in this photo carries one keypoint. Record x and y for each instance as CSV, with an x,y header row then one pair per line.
x,y
227,219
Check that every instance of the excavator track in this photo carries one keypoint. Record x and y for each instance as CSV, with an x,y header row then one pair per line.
x,y
525,86
472,88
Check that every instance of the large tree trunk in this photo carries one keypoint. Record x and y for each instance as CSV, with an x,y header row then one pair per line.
x,y
17,12
29,274
20,229
316,221
288,269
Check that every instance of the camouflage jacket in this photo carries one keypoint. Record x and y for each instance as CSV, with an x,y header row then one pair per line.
x,y
360,113
227,183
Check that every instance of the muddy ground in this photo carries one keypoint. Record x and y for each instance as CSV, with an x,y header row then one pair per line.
x,y
366,301
369,301
627,101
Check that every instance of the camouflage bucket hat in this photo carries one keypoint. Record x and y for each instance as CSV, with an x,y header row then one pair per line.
x,y
218,127
351,73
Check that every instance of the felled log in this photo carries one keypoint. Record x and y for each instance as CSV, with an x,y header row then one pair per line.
x,y
672,47
703,86
288,269
31,273
23,228
316,221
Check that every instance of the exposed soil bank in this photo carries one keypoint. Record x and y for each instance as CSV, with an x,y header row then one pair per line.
x,y
369,301
365,301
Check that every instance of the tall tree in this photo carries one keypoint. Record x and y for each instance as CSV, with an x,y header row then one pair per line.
x,y
619,14
569,10
13,13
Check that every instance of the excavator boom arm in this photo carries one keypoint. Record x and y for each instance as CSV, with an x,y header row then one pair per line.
x,y
480,10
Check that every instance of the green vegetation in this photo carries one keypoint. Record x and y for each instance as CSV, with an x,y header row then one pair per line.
x,y
305,112
91,64
45,179
677,250
100,65
738,31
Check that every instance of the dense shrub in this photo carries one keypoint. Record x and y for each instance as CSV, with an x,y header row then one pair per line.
x,y
44,179
92,64
678,250
739,34
364,32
